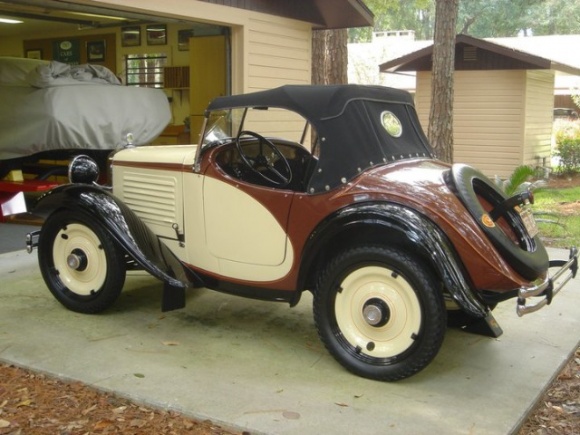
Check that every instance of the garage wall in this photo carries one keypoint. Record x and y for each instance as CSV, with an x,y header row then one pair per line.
x,y
278,53
46,45
266,50
493,111
11,47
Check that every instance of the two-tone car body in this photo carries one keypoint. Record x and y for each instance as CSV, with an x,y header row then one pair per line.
x,y
330,189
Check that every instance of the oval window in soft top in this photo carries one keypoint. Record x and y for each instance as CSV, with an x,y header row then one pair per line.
x,y
391,123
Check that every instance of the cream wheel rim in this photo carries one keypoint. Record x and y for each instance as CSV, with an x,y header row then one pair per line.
x,y
378,312
80,259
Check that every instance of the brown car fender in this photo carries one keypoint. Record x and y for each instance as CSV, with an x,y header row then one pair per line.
x,y
123,225
392,224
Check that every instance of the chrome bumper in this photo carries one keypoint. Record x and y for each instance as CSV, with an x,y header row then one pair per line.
x,y
32,241
551,285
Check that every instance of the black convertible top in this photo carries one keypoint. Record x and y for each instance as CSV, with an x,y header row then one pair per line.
x,y
311,101
348,120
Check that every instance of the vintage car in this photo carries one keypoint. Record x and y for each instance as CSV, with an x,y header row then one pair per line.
x,y
330,189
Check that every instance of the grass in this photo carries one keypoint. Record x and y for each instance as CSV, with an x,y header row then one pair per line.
x,y
561,209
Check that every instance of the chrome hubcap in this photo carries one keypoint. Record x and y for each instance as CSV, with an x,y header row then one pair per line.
x,y
376,312
77,260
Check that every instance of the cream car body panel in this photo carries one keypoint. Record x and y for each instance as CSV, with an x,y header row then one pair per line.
x,y
262,251
155,194
162,195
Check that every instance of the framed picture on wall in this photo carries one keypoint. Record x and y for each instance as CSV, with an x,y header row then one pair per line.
x,y
130,36
67,51
34,54
156,34
183,39
96,51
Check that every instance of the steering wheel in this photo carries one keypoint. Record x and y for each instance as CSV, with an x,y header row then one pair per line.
x,y
262,164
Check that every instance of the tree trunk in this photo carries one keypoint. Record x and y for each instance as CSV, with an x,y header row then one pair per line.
x,y
440,129
329,57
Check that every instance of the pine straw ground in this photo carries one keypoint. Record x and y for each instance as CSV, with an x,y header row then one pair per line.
x,y
32,403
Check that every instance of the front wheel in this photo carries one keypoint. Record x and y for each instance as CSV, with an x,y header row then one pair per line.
x,y
380,312
80,263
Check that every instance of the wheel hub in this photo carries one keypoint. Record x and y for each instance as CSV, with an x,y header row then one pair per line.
x,y
77,260
376,312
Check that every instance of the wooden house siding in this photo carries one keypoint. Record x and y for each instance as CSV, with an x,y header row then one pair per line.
x,y
278,53
538,118
423,98
500,121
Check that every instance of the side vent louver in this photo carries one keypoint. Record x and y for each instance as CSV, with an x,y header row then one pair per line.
x,y
470,53
152,198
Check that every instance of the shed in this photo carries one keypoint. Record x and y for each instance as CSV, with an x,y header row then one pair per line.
x,y
503,102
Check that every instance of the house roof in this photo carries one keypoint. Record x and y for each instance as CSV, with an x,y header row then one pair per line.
x,y
323,14
479,54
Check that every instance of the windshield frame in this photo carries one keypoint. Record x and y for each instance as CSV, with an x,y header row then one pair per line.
x,y
227,114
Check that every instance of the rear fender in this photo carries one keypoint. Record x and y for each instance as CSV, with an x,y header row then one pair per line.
x,y
123,225
396,224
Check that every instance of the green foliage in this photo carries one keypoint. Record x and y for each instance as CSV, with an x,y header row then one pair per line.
x,y
564,235
417,15
576,98
519,181
479,18
567,137
569,153
567,231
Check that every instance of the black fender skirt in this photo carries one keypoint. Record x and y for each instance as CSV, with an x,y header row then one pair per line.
x,y
123,225
410,228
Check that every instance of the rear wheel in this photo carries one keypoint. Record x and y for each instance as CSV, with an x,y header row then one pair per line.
x,y
380,312
80,263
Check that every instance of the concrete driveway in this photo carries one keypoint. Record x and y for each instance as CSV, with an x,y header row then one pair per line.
x,y
259,366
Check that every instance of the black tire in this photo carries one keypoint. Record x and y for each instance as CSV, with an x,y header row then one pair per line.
x,y
94,278
380,312
528,257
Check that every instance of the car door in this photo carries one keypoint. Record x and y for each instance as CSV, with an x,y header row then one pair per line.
x,y
238,230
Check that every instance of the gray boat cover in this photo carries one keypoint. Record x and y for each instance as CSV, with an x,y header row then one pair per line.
x,y
53,106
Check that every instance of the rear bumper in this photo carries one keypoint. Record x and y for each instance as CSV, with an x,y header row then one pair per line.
x,y
550,286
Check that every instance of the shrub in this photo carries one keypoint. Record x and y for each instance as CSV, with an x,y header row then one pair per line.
x,y
519,180
567,139
568,150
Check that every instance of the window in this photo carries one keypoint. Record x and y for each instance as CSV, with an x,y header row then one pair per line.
x,y
145,70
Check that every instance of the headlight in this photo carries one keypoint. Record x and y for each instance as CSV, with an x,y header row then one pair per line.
x,y
83,169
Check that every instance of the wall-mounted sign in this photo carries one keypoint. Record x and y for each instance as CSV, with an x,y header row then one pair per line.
x,y
67,51
131,36
96,51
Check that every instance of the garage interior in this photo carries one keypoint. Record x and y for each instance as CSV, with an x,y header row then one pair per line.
x,y
139,49
45,22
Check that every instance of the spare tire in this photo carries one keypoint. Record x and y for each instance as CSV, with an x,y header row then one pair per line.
x,y
525,254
